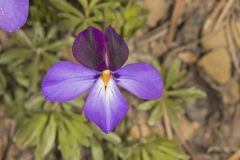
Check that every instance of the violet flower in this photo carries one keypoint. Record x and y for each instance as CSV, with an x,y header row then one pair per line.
x,y
13,14
102,55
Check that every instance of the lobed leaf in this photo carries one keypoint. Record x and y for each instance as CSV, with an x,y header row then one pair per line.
x,y
175,74
186,93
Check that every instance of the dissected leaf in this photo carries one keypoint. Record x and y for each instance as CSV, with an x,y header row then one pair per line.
x,y
68,147
147,105
3,83
175,74
30,132
58,45
155,115
96,150
38,34
131,11
47,140
186,93
10,55
22,38
65,6
34,102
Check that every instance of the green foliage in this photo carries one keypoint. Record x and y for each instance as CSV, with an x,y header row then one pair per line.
x,y
97,151
34,54
152,149
40,11
125,17
41,130
50,127
174,97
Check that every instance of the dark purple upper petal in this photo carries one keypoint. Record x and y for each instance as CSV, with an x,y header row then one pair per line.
x,y
105,106
117,49
141,79
65,81
89,49
13,14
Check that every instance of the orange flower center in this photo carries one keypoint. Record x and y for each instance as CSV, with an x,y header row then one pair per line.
x,y
106,75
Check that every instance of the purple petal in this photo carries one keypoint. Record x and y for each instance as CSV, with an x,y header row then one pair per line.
x,y
105,106
89,49
66,81
141,79
13,14
117,49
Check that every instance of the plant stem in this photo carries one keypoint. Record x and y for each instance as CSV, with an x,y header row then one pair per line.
x,y
167,122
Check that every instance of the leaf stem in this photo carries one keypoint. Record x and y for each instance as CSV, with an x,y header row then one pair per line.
x,y
167,122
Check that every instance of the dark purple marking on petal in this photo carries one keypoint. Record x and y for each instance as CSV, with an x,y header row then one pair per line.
x,y
13,14
89,49
106,107
117,49
66,80
143,80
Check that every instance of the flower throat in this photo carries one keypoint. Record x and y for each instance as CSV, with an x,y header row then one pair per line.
x,y
106,75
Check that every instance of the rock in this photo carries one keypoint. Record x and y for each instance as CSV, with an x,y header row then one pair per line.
x,y
157,10
217,65
188,128
134,132
188,57
216,40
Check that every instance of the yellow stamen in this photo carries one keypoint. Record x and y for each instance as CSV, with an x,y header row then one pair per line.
x,y
106,75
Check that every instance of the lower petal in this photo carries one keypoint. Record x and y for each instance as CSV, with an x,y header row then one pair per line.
x,y
143,80
13,14
66,81
105,106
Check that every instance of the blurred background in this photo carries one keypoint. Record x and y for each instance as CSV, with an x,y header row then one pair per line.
x,y
195,45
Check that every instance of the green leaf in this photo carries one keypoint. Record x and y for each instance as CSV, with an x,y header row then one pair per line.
x,y
132,11
112,137
34,103
49,59
84,3
173,153
156,64
78,102
11,55
22,81
59,45
3,83
47,139
76,127
70,21
67,145
66,7
155,115
22,38
33,74
167,143
93,4
38,34
96,150
29,133
131,25
145,155
186,93
52,33
174,108
175,74
147,105
111,5
8,100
